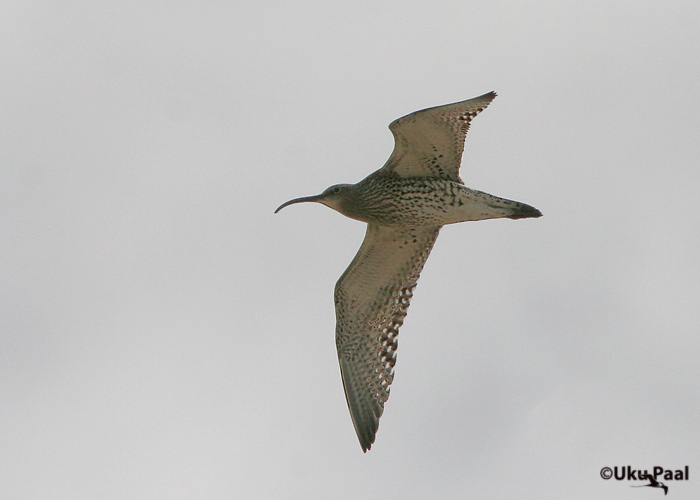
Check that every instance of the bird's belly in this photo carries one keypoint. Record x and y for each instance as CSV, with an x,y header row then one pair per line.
x,y
426,202
447,203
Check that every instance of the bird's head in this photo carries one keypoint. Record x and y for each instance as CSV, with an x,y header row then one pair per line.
x,y
335,197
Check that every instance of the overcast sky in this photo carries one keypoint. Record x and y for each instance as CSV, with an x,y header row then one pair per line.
x,y
164,335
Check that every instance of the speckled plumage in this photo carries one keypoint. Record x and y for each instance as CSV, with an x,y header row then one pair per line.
x,y
405,203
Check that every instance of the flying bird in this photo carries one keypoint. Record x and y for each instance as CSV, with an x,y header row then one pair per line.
x,y
404,203
653,483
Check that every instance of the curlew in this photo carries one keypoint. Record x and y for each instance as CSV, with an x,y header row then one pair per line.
x,y
404,203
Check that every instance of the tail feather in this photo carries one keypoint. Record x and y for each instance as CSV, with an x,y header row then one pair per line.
x,y
523,211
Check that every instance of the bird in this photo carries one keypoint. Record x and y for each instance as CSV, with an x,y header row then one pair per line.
x,y
653,483
404,203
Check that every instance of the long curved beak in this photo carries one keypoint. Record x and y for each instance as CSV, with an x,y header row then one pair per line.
x,y
299,200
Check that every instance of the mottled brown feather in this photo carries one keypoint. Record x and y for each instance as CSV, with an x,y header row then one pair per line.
x,y
430,142
371,300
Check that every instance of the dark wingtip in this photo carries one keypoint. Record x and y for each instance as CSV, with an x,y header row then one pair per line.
x,y
367,433
367,439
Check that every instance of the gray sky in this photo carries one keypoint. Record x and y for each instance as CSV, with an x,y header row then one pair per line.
x,y
164,335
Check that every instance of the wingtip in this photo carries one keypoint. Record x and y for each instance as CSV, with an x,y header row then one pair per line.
x,y
366,435
367,438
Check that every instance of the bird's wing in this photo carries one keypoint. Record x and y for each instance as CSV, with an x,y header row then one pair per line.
x,y
371,300
429,143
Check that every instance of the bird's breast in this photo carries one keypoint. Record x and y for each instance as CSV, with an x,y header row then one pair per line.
x,y
407,202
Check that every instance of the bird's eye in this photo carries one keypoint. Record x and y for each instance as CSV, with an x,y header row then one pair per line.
x,y
336,190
